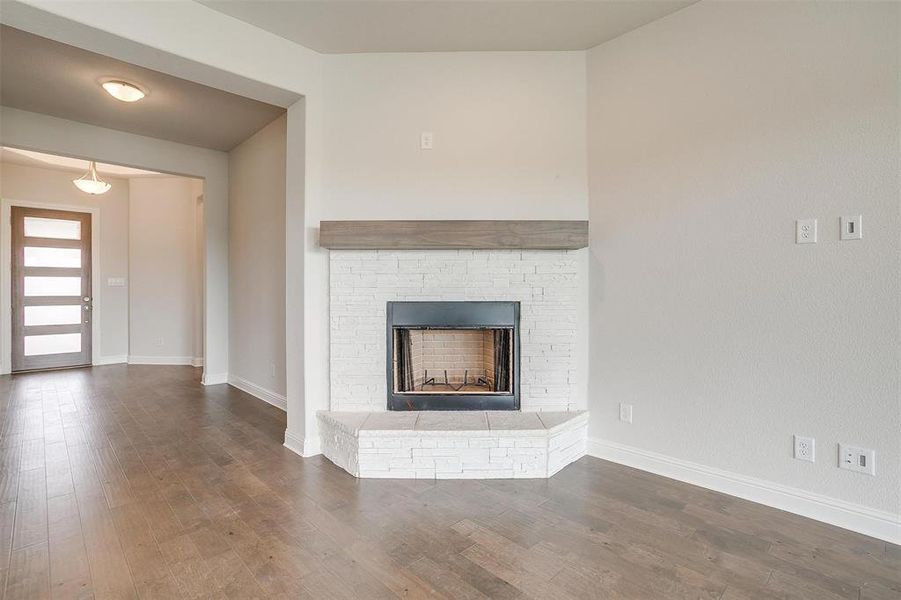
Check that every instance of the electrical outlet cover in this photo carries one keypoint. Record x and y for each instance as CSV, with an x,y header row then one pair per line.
x,y
805,448
806,231
625,412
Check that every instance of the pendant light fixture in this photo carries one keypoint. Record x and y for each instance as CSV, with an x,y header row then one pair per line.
x,y
89,183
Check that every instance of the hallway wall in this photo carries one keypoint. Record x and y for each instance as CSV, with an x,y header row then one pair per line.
x,y
256,215
165,270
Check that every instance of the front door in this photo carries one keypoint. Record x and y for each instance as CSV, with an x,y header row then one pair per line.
x,y
51,288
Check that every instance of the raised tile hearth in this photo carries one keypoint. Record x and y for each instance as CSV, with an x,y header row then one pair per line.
x,y
453,445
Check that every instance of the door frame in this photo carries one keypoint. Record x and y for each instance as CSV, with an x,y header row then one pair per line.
x,y
6,276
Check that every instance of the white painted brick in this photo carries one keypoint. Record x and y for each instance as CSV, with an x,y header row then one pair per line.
x,y
483,443
361,282
448,465
424,462
476,454
522,444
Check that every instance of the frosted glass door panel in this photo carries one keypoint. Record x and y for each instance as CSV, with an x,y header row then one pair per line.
x,y
52,286
51,310
52,257
56,343
53,315
52,228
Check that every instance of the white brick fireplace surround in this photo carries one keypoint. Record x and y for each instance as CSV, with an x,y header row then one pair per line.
x,y
545,282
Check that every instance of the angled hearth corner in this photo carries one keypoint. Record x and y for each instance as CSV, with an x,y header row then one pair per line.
x,y
454,348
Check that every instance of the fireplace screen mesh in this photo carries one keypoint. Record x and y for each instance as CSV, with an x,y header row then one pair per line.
x,y
453,360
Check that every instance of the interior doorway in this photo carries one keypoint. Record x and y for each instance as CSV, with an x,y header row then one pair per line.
x,y
51,297
143,303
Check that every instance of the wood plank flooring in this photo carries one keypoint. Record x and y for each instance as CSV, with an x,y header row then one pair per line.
x,y
137,482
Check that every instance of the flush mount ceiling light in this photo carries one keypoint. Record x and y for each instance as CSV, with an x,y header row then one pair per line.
x,y
122,90
89,183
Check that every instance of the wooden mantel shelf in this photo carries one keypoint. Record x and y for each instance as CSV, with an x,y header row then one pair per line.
x,y
450,235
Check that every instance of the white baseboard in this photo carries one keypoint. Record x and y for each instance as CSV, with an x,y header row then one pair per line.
x,y
160,360
197,361
847,515
276,400
214,378
305,448
110,360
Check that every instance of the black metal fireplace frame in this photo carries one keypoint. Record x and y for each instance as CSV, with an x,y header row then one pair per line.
x,y
452,315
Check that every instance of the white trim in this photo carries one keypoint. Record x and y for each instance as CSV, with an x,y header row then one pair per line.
x,y
160,360
214,379
110,360
270,397
847,515
197,362
6,276
305,448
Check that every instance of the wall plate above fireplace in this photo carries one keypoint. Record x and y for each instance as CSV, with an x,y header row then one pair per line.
x,y
474,363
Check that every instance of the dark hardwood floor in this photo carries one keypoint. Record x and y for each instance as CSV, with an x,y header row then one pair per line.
x,y
135,481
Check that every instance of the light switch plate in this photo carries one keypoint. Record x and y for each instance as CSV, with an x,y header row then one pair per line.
x,y
806,231
851,227
115,281
426,139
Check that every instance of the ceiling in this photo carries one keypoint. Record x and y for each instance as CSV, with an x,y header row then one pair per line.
x,y
340,26
29,158
44,76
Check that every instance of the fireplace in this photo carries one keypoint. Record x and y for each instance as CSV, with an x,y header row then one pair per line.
x,y
453,355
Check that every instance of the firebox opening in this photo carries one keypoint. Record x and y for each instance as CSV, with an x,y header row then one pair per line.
x,y
460,361
461,355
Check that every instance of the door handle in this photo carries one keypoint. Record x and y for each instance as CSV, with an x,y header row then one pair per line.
x,y
87,298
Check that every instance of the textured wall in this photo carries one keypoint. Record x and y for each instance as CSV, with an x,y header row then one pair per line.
x,y
711,131
164,268
256,246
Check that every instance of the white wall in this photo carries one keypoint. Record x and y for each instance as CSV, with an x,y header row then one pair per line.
x,y
256,212
711,131
54,187
199,245
165,269
509,136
